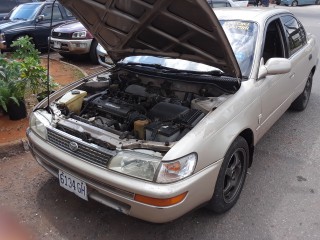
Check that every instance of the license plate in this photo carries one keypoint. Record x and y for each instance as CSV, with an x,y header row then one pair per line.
x,y
73,184
56,44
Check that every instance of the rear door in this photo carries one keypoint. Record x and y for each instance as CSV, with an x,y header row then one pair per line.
x,y
300,53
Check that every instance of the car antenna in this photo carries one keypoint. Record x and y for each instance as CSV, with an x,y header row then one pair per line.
x,y
48,58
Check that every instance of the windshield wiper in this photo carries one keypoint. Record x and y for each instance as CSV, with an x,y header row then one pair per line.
x,y
173,70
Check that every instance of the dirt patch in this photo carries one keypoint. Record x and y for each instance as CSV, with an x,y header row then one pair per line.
x,y
63,74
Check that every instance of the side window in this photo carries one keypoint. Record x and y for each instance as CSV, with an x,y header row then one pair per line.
x,y
295,33
69,14
274,42
46,12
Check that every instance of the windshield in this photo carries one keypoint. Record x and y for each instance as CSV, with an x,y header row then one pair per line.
x,y
242,37
24,12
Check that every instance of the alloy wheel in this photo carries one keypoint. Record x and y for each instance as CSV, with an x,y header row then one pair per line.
x,y
234,175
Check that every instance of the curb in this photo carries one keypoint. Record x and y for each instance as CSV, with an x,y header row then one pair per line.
x,y
76,67
14,147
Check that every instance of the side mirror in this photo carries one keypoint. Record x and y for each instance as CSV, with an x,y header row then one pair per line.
x,y
274,66
40,18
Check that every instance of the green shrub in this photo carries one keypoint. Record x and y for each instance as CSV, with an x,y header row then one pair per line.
x,y
22,73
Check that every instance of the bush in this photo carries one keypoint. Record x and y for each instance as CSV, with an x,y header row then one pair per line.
x,y
22,73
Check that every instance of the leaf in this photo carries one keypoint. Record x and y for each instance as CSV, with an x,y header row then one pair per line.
x,y
15,100
3,105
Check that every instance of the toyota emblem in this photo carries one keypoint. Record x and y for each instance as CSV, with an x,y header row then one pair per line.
x,y
73,146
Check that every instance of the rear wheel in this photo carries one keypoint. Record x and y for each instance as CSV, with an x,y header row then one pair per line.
x,y
231,177
302,100
294,3
65,55
318,2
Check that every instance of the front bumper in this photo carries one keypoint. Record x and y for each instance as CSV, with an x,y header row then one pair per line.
x,y
71,46
117,191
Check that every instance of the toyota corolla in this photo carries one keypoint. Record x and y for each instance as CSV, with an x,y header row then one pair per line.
x,y
173,124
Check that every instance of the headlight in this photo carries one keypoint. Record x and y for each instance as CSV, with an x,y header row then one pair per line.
x,y
82,34
39,123
135,164
145,166
178,169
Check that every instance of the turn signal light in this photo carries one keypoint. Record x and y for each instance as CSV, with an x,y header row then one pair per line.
x,y
160,202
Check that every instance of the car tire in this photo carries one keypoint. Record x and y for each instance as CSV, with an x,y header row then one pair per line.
x,y
93,52
65,55
231,177
294,3
317,2
301,102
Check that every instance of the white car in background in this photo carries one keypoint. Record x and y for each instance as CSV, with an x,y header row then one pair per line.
x,y
241,3
235,3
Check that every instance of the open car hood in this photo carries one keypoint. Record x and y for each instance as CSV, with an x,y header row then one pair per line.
x,y
183,29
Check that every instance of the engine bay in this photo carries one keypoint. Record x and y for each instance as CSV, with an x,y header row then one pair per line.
x,y
138,106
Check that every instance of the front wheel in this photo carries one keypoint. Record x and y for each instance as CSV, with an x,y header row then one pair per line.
x,y
93,52
318,2
302,100
294,3
231,177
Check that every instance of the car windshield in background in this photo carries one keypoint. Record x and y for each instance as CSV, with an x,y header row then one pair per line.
x,y
24,12
242,37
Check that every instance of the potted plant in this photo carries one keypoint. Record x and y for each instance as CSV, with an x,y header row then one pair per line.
x,y
31,69
21,74
12,89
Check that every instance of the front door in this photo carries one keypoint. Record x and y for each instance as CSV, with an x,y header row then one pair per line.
x,y
275,89
43,26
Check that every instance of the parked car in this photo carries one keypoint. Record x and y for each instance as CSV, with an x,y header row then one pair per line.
x,y
241,3
174,124
7,5
73,39
222,3
295,3
32,19
103,57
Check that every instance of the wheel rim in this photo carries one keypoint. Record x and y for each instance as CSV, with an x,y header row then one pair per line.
x,y
234,175
294,3
307,91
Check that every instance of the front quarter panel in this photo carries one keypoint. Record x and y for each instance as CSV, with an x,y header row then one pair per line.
x,y
211,138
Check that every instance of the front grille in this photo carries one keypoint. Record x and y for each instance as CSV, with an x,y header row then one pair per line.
x,y
86,152
62,35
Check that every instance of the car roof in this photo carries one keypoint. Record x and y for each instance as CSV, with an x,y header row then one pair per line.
x,y
259,15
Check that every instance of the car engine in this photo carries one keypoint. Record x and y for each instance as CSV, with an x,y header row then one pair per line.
x,y
140,108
